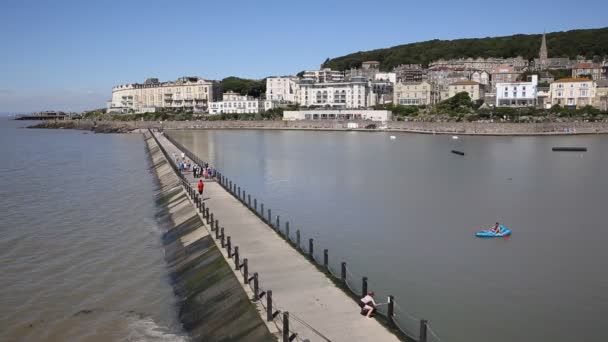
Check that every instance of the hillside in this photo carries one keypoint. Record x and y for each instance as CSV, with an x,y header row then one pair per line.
x,y
588,43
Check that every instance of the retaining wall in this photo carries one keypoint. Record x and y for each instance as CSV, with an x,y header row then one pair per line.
x,y
212,303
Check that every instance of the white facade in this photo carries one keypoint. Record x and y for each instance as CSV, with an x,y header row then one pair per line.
x,y
233,103
386,76
282,89
374,115
517,94
573,92
187,93
323,75
353,94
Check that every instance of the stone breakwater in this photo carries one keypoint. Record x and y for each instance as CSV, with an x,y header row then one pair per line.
x,y
212,304
463,128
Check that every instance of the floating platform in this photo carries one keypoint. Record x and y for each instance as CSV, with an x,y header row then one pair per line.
x,y
569,149
460,153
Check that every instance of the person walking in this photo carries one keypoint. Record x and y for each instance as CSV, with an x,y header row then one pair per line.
x,y
201,187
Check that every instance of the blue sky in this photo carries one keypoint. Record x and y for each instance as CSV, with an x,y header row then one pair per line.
x,y
66,55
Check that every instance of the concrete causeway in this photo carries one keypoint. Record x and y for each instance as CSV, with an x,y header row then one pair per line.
x,y
297,286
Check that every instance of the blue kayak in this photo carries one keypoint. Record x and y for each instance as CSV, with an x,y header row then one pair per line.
x,y
504,231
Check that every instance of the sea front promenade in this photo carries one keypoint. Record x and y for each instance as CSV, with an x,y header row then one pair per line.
x,y
318,309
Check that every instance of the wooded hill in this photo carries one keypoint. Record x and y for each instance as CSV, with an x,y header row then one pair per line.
x,y
589,43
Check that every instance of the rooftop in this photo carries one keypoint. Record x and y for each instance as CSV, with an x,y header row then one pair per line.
x,y
465,83
573,79
586,66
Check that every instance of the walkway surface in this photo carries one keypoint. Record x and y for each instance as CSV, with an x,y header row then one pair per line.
x,y
297,286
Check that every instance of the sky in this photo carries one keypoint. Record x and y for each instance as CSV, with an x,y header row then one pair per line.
x,y
67,55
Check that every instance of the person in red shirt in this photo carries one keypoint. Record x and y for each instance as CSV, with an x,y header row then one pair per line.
x,y
201,186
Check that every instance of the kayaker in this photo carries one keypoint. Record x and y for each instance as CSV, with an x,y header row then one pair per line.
x,y
496,228
367,304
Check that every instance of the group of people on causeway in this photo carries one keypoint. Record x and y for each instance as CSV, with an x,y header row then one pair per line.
x,y
198,171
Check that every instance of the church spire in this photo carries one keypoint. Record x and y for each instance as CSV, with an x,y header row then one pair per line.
x,y
543,52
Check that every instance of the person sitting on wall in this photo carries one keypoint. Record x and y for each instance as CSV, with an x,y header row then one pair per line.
x,y
367,304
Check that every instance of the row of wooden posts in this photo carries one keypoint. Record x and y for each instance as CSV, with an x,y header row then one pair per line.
x,y
243,267
246,199
233,253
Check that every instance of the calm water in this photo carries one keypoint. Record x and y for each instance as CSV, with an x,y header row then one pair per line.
x,y
403,212
80,251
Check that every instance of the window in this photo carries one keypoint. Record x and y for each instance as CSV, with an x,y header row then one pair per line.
x,y
583,93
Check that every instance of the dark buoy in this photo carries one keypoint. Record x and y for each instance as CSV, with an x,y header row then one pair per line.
x,y
570,149
458,152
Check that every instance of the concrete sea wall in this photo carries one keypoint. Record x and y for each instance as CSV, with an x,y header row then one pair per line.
x,y
465,128
212,304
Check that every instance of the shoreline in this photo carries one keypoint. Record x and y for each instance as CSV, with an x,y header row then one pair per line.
x,y
435,128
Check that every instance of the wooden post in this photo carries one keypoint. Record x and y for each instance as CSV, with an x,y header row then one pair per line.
x,y
287,230
222,238
212,220
203,211
286,326
364,287
217,233
325,258
343,274
229,247
249,201
236,258
278,225
391,310
207,214
256,287
423,324
217,224
239,193
245,272
298,238
311,249
255,206
269,218
269,317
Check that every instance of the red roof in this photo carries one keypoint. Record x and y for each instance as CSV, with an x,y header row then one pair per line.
x,y
586,66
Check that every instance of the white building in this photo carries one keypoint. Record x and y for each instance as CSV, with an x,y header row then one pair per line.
x,y
353,94
282,89
517,94
386,76
323,75
573,92
234,103
413,93
186,93
329,114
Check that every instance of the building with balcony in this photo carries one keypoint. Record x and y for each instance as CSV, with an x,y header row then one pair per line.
x,y
343,114
413,93
186,93
573,92
282,89
324,75
233,103
352,94
517,94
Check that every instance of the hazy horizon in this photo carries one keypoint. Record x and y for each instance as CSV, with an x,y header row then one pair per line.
x,y
70,54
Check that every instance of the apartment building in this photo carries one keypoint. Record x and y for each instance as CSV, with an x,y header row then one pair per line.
x,y
517,94
186,93
573,92
323,75
233,103
413,93
588,69
282,89
352,94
